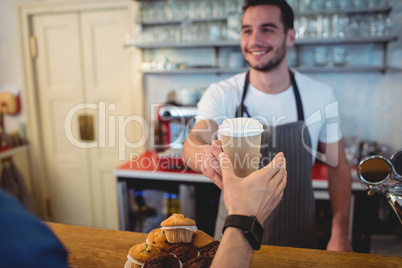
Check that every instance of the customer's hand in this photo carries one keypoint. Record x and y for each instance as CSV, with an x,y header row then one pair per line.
x,y
257,194
210,167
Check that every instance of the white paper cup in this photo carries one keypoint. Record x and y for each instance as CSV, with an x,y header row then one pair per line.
x,y
241,141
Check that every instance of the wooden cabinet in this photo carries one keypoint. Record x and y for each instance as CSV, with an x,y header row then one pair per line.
x,y
80,92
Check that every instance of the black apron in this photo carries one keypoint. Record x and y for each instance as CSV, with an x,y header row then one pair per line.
x,y
292,223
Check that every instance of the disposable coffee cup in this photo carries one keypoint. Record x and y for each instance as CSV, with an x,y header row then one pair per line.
x,y
241,141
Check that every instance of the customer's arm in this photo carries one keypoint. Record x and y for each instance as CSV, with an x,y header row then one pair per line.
x,y
339,184
24,240
257,194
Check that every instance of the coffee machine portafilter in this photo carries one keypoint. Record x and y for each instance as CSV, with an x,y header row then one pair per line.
x,y
384,177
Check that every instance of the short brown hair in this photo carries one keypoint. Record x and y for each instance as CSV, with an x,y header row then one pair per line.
x,y
287,11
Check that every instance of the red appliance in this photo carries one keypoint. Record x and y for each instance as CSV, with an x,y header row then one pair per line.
x,y
172,125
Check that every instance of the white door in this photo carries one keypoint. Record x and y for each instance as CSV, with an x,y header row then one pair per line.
x,y
60,86
81,60
107,84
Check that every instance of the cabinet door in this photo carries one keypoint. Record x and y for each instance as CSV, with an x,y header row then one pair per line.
x,y
107,82
60,88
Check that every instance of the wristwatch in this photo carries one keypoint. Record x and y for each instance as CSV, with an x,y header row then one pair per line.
x,y
252,228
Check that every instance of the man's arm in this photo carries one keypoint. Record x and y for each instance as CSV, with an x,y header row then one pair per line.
x,y
200,137
201,151
339,184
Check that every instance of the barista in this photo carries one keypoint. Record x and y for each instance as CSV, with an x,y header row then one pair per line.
x,y
287,103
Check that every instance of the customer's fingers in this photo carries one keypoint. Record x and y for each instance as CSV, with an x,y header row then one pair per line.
x,y
273,167
212,153
226,166
210,173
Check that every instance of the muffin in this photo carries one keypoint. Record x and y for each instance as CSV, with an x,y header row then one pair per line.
x,y
157,237
139,253
198,262
178,228
162,260
201,239
183,251
210,250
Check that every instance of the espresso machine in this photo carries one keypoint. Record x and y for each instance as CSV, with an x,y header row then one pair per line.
x,y
384,176
172,125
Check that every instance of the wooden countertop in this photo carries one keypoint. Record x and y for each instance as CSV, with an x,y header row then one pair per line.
x,y
92,247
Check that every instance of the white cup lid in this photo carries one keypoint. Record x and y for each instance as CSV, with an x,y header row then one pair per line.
x,y
240,127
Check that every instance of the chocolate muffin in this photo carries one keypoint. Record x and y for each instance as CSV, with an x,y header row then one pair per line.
x,y
183,251
210,250
198,262
162,260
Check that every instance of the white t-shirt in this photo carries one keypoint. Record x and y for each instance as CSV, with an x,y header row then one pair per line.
x,y
320,106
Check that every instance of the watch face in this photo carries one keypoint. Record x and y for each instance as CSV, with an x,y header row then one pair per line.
x,y
255,234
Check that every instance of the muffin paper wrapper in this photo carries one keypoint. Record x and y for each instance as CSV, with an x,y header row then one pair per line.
x,y
134,261
179,234
190,228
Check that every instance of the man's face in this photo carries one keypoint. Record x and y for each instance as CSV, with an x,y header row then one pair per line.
x,y
263,39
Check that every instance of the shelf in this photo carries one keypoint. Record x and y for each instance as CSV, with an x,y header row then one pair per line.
x,y
339,69
333,41
178,21
186,44
303,69
384,9
211,70
355,40
13,151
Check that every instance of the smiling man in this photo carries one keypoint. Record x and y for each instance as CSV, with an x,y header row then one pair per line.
x,y
299,115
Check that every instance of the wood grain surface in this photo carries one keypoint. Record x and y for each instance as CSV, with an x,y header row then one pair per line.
x,y
92,247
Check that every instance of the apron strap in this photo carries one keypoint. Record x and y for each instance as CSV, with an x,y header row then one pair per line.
x,y
300,113
243,109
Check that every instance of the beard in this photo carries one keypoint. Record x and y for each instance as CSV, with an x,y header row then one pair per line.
x,y
272,63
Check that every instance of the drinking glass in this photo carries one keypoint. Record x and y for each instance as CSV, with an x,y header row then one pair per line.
x,y
344,4
389,26
320,56
330,5
218,8
301,25
316,5
339,56
359,3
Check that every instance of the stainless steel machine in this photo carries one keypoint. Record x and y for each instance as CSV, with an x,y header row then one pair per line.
x,y
384,176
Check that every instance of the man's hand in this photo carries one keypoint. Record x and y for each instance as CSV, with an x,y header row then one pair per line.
x,y
257,194
210,166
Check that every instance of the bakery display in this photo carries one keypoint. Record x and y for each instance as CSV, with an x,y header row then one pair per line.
x,y
138,254
178,243
178,228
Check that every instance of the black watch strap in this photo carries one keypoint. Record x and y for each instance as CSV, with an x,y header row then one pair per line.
x,y
253,230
